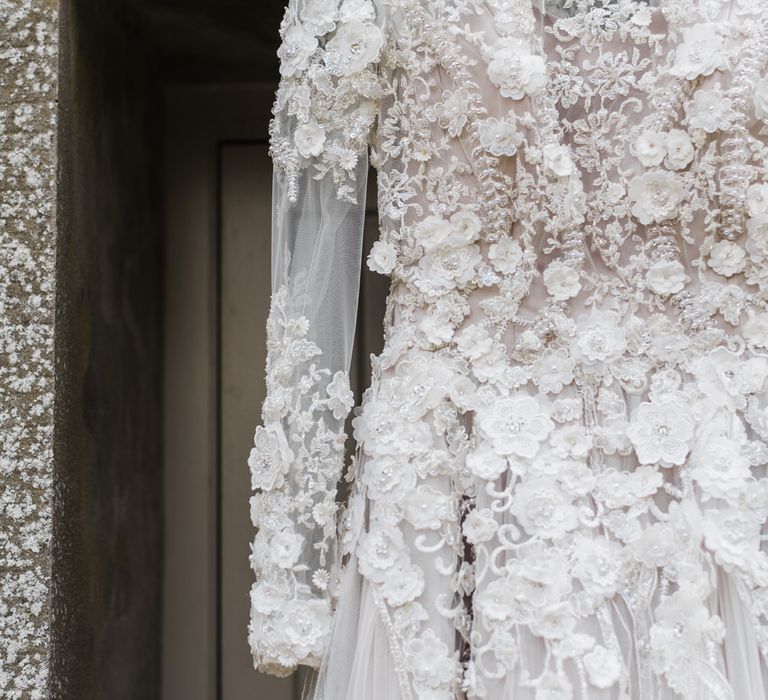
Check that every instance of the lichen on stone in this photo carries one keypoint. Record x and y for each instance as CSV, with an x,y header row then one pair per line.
x,y
28,86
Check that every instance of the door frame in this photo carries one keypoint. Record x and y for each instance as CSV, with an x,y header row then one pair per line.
x,y
199,122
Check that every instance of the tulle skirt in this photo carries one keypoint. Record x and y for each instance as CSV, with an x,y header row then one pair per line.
x,y
359,664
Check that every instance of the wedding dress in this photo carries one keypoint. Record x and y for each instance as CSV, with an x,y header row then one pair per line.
x,y
559,489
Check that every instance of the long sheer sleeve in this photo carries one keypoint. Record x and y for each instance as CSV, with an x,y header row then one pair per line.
x,y
323,113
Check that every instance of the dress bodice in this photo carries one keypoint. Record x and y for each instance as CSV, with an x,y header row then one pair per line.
x,y
561,463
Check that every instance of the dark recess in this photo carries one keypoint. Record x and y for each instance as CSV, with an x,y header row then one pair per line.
x,y
116,57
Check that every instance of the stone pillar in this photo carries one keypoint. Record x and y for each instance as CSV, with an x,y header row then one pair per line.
x,y
28,91
80,390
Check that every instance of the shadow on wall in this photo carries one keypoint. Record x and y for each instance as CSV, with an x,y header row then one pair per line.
x,y
115,60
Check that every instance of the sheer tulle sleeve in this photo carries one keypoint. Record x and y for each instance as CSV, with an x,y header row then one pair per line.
x,y
323,113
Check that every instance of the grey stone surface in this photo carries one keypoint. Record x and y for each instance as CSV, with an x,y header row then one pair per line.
x,y
28,80
108,510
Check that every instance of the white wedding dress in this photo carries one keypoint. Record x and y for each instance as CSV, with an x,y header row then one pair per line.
x,y
560,483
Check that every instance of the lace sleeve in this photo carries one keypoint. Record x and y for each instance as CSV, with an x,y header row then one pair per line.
x,y
323,113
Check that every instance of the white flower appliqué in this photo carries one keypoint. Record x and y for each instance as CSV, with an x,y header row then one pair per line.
x,y
516,425
661,432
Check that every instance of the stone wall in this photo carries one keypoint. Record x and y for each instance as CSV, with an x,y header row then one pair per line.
x,y
28,84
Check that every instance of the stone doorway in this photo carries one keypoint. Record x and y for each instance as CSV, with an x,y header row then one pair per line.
x,y
162,294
